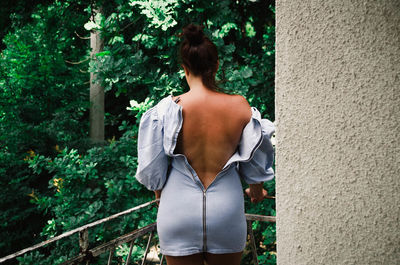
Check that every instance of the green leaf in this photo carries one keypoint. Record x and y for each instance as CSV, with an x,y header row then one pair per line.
x,y
91,25
103,53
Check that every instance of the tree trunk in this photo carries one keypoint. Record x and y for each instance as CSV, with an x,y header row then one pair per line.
x,y
96,90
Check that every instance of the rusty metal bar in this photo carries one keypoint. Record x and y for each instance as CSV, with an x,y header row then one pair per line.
x,y
130,253
147,247
252,242
109,245
110,256
66,234
262,218
101,249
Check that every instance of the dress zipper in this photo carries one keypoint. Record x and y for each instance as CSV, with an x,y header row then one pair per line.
x,y
204,190
204,222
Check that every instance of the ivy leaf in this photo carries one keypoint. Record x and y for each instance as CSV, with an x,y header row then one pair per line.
x,y
103,53
247,72
91,25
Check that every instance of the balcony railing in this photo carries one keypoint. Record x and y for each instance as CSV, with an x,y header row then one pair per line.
x,y
86,255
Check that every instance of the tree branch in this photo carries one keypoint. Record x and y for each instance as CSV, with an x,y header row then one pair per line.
x,y
77,62
83,38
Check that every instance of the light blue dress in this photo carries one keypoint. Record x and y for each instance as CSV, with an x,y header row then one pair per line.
x,y
190,218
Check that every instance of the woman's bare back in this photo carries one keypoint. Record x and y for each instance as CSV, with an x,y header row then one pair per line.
x,y
211,130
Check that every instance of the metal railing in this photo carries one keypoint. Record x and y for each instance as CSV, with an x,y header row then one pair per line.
x,y
86,255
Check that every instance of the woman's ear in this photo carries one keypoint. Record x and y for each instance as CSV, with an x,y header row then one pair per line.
x,y
186,70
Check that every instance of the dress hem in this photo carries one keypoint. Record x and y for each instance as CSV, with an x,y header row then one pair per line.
x,y
196,251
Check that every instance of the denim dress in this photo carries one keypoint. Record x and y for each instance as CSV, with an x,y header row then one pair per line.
x,y
190,218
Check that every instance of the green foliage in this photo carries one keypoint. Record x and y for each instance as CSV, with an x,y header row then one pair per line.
x,y
42,104
45,158
87,187
159,13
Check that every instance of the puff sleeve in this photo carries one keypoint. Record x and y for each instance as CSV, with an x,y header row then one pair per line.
x,y
152,160
258,168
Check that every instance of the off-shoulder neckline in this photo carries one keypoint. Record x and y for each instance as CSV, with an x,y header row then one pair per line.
x,y
254,111
174,101
253,126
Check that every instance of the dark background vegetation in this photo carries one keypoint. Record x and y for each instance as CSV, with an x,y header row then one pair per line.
x,y
52,179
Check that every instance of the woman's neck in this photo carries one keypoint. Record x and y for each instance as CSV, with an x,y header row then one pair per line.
x,y
196,84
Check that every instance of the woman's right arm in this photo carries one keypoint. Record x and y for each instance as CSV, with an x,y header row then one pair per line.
x,y
256,192
259,169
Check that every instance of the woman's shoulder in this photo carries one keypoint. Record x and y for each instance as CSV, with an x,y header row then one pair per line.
x,y
242,107
251,114
235,106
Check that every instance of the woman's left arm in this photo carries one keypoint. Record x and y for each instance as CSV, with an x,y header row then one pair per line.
x,y
152,160
157,193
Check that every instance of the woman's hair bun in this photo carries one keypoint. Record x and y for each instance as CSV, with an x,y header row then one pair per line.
x,y
194,34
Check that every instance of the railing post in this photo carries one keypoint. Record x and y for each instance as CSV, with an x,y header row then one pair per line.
x,y
110,255
130,252
147,247
252,242
84,242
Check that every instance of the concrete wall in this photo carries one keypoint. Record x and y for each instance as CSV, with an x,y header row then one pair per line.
x,y
338,119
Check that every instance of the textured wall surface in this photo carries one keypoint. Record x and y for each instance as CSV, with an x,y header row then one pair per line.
x,y
338,130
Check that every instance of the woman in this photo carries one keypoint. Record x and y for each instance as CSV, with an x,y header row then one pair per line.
x,y
193,150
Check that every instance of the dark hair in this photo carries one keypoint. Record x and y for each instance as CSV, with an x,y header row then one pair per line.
x,y
199,54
